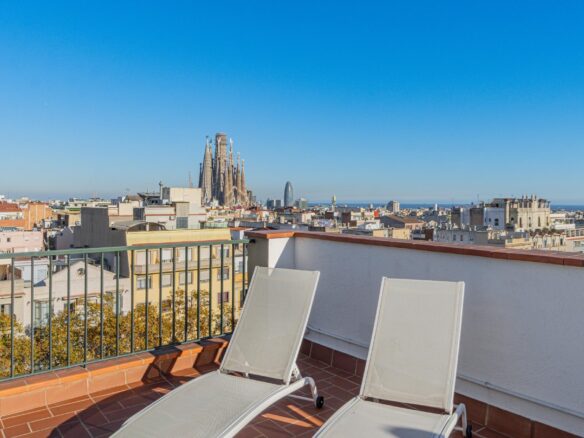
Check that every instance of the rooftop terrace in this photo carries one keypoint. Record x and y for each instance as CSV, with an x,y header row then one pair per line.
x,y
521,358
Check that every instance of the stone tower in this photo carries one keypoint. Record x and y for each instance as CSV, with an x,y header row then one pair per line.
x,y
221,178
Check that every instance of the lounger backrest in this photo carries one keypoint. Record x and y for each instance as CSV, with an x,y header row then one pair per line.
x,y
267,337
413,354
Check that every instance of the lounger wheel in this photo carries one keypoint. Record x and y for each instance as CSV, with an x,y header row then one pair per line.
x,y
319,402
468,431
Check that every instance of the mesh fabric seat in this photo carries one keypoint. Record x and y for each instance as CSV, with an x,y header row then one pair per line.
x,y
412,359
368,419
173,414
265,345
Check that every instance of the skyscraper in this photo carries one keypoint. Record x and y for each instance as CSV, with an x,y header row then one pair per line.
x,y
220,178
288,195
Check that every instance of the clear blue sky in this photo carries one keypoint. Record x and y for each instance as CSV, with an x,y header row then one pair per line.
x,y
418,101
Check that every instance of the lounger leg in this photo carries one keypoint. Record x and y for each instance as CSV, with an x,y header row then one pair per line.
x,y
459,414
317,399
466,428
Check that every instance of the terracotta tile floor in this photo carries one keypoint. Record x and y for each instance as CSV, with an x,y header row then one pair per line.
x,y
102,413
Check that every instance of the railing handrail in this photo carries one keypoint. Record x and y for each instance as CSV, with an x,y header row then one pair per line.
x,y
108,249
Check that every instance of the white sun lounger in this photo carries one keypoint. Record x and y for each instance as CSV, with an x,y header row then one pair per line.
x,y
412,360
264,346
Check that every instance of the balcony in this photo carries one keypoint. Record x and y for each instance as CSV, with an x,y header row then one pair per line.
x,y
520,369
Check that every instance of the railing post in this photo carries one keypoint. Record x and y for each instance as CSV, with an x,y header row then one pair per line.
x,y
50,312
146,302
232,287
101,306
186,293
85,309
117,303
198,292
132,304
210,290
68,310
222,288
32,315
160,298
12,318
173,337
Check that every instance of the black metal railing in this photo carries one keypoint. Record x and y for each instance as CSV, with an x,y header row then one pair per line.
x,y
72,307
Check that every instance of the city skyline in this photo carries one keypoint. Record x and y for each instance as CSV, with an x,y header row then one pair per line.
x,y
96,104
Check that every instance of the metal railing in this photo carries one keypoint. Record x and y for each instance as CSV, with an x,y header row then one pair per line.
x,y
100,303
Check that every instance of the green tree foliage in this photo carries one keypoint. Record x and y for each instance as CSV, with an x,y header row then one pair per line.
x,y
137,330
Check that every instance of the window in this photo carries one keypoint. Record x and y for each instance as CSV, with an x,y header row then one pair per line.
x,y
225,274
166,279
181,278
204,276
205,253
5,309
182,222
181,254
239,264
141,258
9,239
225,297
167,255
496,222
41,312
141,282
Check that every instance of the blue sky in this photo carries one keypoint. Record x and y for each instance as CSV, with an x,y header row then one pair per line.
x,y
418,101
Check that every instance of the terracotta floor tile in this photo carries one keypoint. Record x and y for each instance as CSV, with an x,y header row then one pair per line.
x,y
36,414
47,433
273,430
71,400
51,422
105,429
488,433
92,417
123,414
102,413
71,407
73,429
250,432
14,431
109,391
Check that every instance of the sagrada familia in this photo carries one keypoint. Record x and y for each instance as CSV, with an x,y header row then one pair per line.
x,y
221,179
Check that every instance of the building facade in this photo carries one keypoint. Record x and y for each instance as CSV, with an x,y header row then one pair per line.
x,y
288,195
221,179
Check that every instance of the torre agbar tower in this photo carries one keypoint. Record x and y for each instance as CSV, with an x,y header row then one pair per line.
x,y
220,177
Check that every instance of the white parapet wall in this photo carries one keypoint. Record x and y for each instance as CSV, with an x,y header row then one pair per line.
x,y
522,345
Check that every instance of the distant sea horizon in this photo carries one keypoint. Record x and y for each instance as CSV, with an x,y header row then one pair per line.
x,y
418,205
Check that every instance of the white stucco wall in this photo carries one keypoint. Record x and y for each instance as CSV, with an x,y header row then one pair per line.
x,y
522,345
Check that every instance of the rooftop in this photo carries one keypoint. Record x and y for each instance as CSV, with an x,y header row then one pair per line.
x,y
7,207
519,369
102,412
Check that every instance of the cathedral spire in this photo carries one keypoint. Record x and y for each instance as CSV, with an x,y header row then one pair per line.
x,y
221,177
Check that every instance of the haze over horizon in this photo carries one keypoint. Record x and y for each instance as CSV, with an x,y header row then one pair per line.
x,y
419,102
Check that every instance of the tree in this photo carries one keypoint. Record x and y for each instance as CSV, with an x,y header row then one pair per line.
x,y
108,333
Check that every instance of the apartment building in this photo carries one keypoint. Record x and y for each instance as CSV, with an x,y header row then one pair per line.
x,y
393,221
11,215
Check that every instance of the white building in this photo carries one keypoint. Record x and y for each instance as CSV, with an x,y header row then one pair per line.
x,y
22,298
